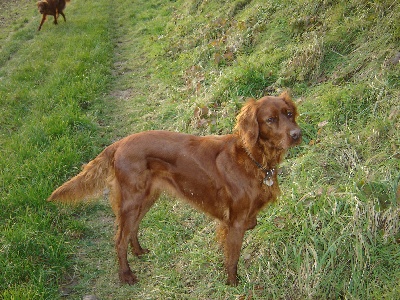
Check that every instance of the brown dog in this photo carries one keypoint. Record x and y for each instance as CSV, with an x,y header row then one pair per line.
x,y
230,177
52,8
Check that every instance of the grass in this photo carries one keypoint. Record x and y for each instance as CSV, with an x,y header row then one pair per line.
x,y
44,127
188,65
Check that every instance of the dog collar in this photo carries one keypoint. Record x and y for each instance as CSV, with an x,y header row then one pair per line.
x,y
269,173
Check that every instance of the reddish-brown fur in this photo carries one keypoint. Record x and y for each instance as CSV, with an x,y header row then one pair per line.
x,y
52,8
220,175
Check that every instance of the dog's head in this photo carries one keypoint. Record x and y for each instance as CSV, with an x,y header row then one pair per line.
x,y
42,6
270,121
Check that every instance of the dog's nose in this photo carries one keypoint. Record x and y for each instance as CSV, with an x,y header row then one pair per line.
x,y
295,134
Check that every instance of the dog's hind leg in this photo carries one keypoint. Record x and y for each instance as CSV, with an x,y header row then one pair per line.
x,y
61,13
125,214
147,204
133,206
128,214
55,17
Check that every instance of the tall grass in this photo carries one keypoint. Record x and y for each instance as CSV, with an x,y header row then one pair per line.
x,y
189,65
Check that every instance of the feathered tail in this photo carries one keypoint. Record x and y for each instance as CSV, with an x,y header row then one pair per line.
x,y
90,182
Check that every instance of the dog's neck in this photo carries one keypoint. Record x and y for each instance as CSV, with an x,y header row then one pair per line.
x,y
268,166
264,155
269,173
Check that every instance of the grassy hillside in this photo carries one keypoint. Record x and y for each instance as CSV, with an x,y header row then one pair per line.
x,y
126,66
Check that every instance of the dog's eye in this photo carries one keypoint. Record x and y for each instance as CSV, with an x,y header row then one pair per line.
x,y
271,120
289,114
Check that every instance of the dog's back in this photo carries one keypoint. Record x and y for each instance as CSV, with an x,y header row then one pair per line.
x,y
61,5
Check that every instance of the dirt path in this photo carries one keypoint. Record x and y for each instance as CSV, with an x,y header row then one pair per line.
x,y
132,104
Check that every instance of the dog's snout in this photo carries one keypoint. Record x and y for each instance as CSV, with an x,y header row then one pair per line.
x,y
295,134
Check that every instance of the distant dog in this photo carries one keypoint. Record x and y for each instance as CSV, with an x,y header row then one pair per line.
x,y
52,8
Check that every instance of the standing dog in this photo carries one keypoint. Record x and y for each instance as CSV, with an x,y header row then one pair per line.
x,y
229,177
52,8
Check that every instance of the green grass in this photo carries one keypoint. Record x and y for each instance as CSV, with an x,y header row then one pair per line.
x,y
44,127
116,68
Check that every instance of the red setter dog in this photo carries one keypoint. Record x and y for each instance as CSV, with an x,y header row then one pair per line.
x,y
229,177
52,8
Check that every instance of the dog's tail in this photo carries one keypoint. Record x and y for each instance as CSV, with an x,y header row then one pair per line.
x,y
90,182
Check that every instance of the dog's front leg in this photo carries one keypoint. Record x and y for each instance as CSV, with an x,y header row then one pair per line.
x,y
55,18
232,246
42,21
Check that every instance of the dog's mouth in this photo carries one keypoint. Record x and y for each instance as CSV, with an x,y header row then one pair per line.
x,y
295,137
296,142
290,141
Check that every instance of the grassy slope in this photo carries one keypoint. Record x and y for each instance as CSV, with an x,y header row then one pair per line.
x,y
335,231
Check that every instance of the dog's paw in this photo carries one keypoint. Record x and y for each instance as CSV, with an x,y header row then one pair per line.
x,y
140,252
128,277
232,281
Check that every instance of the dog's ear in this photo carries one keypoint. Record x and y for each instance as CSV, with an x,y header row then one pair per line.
x,y
247,124
42,2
